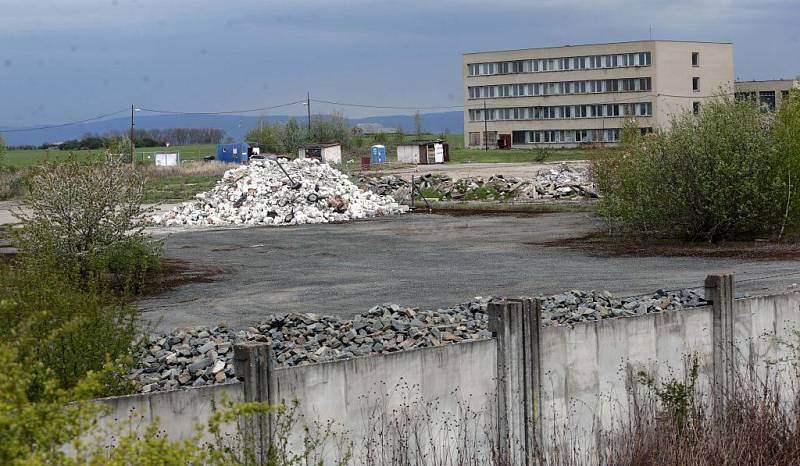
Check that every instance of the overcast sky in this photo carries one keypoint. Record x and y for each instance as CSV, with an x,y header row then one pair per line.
x,y
70,59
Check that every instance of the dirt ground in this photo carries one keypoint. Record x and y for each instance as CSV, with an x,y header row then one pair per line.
x,y
418,260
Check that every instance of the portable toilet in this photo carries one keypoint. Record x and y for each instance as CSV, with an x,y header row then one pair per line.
x,y
233,153
378,154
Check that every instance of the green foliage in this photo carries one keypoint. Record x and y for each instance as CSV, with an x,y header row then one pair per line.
x,y
14,182
267,137
292,136
715,176
333,128
540,155
418,125
677,398
87,221
33,430
65,330
2,150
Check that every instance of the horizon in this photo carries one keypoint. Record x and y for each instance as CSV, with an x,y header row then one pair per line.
x,y
75,61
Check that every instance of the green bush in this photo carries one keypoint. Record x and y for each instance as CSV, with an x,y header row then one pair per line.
x,y
14,183
68,331
87,220
714,176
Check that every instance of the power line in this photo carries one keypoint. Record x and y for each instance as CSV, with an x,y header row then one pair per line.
x,y
386,107
226,112
71,123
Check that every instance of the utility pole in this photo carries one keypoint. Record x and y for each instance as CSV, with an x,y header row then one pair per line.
x,y
133,153
308,108
485,128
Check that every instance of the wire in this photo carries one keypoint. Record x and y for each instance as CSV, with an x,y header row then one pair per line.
x,y
227,112
71,123
386,107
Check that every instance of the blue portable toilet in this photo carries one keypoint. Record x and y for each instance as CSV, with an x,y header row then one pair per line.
x,y
233,153
378,154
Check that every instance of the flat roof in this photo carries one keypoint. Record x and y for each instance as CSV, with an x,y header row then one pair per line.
x,y
601,43
779,80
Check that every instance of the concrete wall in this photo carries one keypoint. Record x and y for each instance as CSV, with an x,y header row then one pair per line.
x,y
589,371
360,396
177,412
585,376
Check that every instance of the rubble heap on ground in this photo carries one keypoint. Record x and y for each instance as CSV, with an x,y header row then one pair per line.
x,y
561,182
203,356
262,194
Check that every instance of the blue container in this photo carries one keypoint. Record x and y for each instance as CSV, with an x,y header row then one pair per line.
x,y
378,154
233,153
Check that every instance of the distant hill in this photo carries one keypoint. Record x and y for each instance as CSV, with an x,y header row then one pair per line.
x,y
235,126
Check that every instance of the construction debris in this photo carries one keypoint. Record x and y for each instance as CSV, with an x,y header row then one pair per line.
x,y
563,182
281,193
202,356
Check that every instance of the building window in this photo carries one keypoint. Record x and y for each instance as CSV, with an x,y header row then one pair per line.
x,y
784,94
696,108
696,84
695,58
474,139
767,100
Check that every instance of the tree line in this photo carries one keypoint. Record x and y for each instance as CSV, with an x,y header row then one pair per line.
x,y
141,138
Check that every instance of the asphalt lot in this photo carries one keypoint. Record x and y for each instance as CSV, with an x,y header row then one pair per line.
x,y
419,260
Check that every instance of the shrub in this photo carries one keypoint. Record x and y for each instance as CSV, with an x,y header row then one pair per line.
x,y
716,176
14,183
87,220
67,331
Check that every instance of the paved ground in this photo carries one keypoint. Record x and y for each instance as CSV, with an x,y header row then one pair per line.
x,y
462,170
420,260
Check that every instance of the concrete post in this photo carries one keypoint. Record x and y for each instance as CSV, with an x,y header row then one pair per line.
x,y
515,325
719,290
253,364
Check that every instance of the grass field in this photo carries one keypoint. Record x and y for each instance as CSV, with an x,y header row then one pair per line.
x,y
26,158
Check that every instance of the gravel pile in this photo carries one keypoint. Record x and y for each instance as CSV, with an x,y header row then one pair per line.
x,y
564,182
262,194
203,356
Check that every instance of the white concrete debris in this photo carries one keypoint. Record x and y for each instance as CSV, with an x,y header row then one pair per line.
x,y
262,194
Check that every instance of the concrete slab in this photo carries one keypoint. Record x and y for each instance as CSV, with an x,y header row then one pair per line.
x,y
418,260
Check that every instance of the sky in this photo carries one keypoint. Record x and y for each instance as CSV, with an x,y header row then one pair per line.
x,y
63,60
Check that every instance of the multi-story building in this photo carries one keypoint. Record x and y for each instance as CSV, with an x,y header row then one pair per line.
x,y
566,96
769,94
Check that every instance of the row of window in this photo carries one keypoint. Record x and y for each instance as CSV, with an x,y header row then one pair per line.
x,y
641,109
765,98
589,86
537,65
565,136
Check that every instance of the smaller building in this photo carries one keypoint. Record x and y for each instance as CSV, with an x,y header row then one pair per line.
x,y
769,94
423,152
233,153
328,153
168,160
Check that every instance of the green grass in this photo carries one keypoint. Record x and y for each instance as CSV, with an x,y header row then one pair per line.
x,y
520,155
25,158
177,188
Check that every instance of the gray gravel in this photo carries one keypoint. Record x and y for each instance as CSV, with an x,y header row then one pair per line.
x,y
202,356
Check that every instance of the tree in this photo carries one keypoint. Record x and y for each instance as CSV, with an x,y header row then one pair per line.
x,y
399,136
2,150
418,124
292,136
266,136
88,220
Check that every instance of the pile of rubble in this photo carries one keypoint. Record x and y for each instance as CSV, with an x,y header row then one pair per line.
x,y
202,356
262,194
564,182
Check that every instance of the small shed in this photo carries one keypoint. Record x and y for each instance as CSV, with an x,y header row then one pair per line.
x,y
167,160
233,153
423,152
328,153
